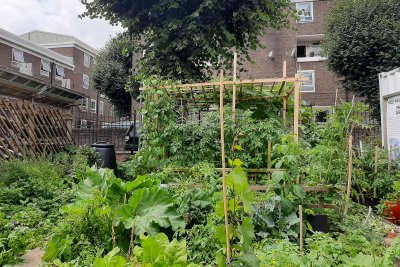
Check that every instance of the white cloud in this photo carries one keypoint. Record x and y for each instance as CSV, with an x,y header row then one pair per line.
x,y
59,16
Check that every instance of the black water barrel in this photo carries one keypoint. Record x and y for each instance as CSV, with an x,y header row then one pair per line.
x,y
107,155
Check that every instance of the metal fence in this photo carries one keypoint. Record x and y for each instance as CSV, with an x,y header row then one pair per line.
x,y
121,131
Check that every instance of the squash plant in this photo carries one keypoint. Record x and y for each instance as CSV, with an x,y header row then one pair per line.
x,y
106,201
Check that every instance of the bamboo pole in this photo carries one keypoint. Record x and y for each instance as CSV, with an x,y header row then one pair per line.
x,y
269,157
376,167
284,111
301,227
350,173
224,187
284,69
296,108
234,86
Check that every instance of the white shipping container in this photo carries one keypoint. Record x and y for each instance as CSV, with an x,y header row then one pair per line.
x,y
389,87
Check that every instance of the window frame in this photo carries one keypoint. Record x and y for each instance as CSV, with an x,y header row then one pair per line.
x,y
14,61
58,76
95,105
101,107
84,85
86,59
44,72
302,16
312,80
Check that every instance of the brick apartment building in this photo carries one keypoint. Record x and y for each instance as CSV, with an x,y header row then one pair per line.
x,y
82,56
28,72
301,49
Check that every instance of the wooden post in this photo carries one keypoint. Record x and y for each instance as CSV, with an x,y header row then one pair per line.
x,y
301,227
269,158
296,108
350,173
389,157
224,187
376,167
284,69
234,86
336,97
284,111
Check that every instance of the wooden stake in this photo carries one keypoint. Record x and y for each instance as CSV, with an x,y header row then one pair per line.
x,y
234,86
389,158
284,111
284,69
376,167
269,158
350,173
296,108
224,187
301,227
336,97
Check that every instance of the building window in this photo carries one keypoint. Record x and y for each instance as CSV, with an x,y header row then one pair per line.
x,y
84,104
83,123
306,10
86,60
60,74
17,57
93,105
45,68
309,50
308,86
85,81
101,107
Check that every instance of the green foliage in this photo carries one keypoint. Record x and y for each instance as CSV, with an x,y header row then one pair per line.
x,y
103,203
24,181
158,251
111,73
361,41
239,208
185,40
23,230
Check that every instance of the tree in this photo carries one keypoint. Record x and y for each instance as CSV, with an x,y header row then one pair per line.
x,y
112,72
187,39
362,39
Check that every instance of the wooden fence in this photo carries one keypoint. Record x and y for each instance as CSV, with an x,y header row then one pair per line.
x,y
30,130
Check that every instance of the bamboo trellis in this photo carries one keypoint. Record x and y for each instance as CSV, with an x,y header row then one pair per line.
x,y
30,130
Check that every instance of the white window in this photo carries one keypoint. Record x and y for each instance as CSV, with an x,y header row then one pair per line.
x,y
60,74
86,60
306,10
83,123
308,86
17,58
101,107
93,105
85,81
45,68
85,102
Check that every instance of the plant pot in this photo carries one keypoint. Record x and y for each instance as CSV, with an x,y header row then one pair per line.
x,y
392,211
319,223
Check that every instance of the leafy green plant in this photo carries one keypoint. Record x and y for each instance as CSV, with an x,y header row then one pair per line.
x,y
158,251
240,208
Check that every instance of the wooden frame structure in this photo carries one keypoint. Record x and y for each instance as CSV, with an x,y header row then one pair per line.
x,y
31,130
201,95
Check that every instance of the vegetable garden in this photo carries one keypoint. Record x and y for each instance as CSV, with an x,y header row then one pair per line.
x,y
230,173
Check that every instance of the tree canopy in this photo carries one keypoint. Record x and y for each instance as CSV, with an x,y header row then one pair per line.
x,y
187,39
362,40
111,73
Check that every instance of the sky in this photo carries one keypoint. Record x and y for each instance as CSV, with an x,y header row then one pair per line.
x,y
59,16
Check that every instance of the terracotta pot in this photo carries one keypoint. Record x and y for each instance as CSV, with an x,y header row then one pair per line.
x,y
392,211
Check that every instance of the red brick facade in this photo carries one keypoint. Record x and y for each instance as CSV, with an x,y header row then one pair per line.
x,y
282,46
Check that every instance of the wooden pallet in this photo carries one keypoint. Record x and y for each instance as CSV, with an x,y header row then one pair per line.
x,y
30,130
